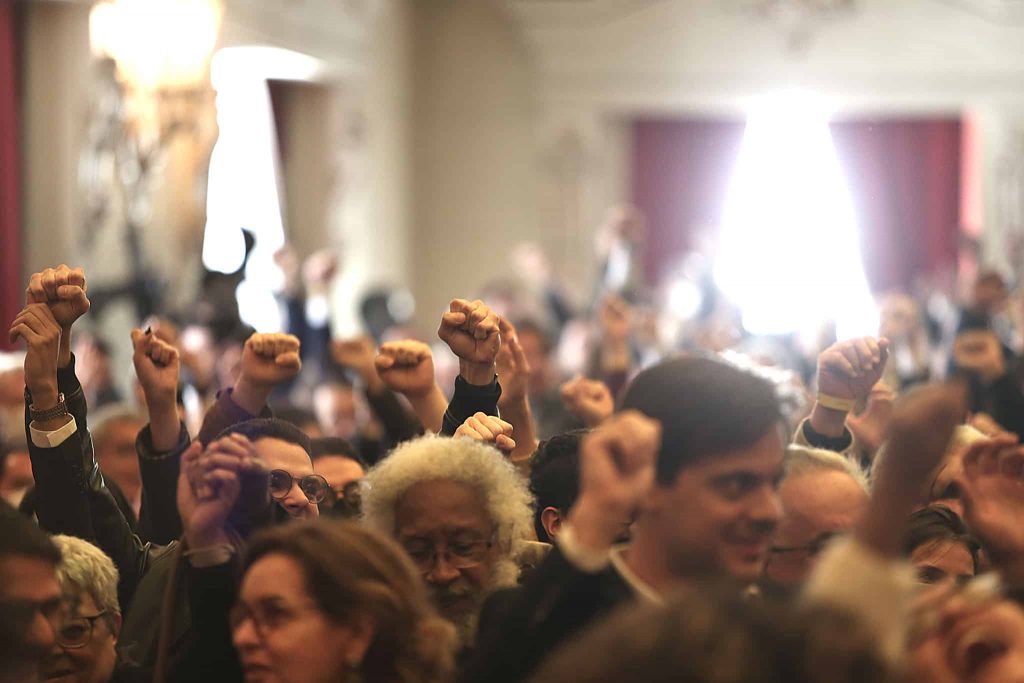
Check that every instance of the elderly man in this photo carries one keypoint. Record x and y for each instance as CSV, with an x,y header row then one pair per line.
x,y
461,512
85,649
822,495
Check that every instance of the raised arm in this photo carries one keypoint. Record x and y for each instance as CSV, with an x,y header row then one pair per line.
x,y
471,331
847,372
588,399
407,367
160,443
267,361
514,405
358,355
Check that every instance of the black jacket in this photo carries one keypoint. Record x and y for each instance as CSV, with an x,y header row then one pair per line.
x,y
520,626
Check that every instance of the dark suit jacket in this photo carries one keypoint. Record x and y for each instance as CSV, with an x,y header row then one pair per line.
x,y
520,626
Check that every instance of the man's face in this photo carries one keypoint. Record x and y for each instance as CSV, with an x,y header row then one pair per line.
x,y
92,662
719,514
282,455
815,506
337,409
445,528
29,590
339,471
115,452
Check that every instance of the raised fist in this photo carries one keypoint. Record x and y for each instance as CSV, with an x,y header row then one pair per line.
x,y
356,354
588,399
270,359
849,369
406,367
156,365
470,329
489,429
63,290
512,366
38,327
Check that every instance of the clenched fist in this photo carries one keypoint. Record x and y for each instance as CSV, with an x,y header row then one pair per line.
x,y
406,367
849,369
270,359
63,289
156,365
588,399
470,329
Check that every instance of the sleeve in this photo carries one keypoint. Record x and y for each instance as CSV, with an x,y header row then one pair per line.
x,y
468,400
159,521
1008,404
808,438
224,413
875,590
399,424
557,600
209,654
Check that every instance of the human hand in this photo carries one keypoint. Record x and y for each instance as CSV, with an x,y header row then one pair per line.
x,y
981,352
869,427
319,270
267,361
512,366
617,472
406,367
157,366
36,325
471,331
588,399
849,369
63,289
356,354
488,429
991,487
209,485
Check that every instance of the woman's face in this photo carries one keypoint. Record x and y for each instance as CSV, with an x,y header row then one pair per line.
x,y
972,644
941,561
281,634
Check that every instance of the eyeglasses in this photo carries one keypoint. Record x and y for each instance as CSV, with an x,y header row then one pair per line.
x,y
314,486
76,632
812,548
266,617
460,554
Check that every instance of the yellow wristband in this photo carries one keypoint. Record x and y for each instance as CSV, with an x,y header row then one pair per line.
x,y
835,403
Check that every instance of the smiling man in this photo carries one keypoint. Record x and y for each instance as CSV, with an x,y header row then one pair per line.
x,y
696,457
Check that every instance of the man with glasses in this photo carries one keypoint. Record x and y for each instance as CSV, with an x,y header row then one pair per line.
x,y
822,495
86,637
461,512
338,462
29,597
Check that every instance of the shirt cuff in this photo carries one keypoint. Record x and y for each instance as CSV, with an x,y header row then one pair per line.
x,y
52,439
585,560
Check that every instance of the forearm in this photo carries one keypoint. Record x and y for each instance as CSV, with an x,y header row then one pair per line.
x,y
159,520
164,424
226,411
524,431
828,422
468,400
430,408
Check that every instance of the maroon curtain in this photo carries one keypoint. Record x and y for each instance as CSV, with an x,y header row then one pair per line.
x,y
903,175
681,171
10,221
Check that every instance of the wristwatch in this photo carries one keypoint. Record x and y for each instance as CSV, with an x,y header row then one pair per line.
x,y
59,410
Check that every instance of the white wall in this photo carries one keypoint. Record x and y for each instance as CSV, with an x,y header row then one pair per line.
x,y
475,158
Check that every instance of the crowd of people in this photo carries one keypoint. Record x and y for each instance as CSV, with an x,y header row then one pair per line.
x,y
535,495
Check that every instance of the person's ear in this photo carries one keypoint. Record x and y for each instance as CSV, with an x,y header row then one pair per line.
x,y
115,625
551,520
362,631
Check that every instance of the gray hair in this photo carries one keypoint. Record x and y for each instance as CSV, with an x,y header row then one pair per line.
x,y
463,460
85,568
801,460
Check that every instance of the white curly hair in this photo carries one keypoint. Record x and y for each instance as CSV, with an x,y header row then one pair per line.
x,y
470,462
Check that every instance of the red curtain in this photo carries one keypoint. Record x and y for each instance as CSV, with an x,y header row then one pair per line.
x,y
10,221
903,176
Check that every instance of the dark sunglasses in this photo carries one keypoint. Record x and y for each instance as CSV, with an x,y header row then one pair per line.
x,y
314,486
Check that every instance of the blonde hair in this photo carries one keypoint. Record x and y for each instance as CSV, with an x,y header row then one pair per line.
x,y
801,460
85,568
351,571
475,464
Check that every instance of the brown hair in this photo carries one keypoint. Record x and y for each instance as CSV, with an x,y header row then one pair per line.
x,y
351,570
